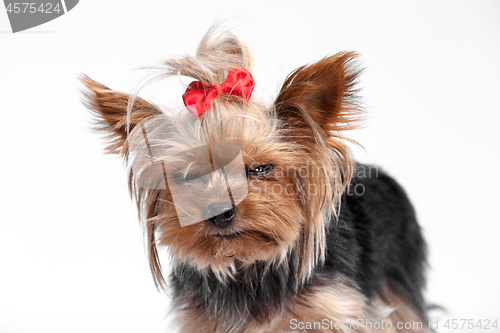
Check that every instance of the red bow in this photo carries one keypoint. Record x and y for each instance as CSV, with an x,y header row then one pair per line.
x,y
199,96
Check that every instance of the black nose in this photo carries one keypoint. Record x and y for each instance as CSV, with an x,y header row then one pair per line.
x,y
221,214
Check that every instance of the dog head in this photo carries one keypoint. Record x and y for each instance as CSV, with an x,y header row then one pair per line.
x,y
246,181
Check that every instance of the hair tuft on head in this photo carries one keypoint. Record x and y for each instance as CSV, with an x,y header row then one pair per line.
x,y
217,53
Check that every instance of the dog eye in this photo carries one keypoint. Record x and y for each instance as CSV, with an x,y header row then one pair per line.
x,y
261,170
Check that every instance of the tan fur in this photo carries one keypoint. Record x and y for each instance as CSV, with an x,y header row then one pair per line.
x,y
109,108
403,312
318,103
307,158
300,135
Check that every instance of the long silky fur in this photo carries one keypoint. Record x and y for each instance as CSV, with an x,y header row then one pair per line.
x,y
327,161
294,246
327,158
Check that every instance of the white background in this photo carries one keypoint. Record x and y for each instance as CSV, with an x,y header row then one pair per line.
x,y
72,256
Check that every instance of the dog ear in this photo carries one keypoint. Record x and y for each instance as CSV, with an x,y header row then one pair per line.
x,y
110,110
316,103
320,96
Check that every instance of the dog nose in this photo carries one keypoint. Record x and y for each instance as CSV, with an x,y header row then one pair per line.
x,y
221,214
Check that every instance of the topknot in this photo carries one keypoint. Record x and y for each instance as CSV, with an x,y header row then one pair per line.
x,y
216,55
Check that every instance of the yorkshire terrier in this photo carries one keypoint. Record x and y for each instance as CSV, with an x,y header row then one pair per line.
x,y
270,224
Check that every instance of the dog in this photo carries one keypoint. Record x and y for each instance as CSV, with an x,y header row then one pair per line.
x,y
270,223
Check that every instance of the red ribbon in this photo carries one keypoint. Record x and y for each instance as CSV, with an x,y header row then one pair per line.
x,y
199,96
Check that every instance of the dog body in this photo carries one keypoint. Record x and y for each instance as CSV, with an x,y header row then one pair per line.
x,y
271,226
374,251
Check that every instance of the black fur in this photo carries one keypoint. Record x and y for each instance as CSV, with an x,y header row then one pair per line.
x,y
375,240
258,291
378,239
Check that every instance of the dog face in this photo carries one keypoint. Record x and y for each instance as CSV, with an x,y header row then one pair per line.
x,y
245,182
